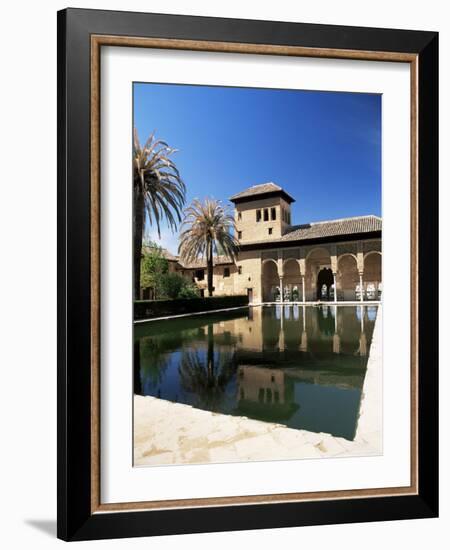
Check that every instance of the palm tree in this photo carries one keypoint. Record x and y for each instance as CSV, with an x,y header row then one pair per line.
x,y
207,228
158,192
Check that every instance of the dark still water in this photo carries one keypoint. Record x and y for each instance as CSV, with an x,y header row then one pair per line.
x,y
301,366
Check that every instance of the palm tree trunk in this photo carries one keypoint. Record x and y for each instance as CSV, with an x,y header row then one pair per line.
x,y
137,367
137,242
210,268
210,355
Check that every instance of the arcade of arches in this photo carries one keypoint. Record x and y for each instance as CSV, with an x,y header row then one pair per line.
x,y
323,273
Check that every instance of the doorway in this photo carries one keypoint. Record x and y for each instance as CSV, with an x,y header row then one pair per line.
x,y
324,284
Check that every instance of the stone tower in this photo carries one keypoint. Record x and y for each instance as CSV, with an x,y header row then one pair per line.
x,y
262,212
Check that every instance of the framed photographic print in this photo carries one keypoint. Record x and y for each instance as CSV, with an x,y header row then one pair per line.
x,y
247,274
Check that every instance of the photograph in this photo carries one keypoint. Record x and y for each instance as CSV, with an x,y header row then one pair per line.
x,y
257,274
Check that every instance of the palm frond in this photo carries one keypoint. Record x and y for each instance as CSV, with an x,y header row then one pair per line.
x,y
205,224
157,179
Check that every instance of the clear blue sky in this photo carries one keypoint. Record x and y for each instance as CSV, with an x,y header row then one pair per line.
x,y
324,148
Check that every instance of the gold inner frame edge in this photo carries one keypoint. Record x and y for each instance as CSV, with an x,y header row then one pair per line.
x,y
97,41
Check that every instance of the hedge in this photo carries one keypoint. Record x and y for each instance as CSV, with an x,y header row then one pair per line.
x,y
150,309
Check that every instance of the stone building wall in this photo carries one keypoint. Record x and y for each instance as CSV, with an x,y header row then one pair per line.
x,y
253,230
250,277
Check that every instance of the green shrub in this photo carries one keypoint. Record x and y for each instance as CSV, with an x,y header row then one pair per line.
x,y
153,267
174,285
148,309
189,291
171,284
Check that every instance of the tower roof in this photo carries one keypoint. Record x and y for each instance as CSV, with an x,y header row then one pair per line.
x,y
261,191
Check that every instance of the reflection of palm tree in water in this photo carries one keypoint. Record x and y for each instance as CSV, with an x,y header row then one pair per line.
x,y
137,367
207,375
150,363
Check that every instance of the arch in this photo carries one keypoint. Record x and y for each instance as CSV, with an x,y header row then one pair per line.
x,y
347,276
267,260
316,259
372,275
316,249
324,283
367,254
270,280
287,260
292,280
344,255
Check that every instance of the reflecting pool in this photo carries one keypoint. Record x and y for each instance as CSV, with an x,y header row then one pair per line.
x,y
300,366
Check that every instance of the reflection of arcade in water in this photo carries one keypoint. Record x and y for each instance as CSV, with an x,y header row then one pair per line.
x,y
317,329
303,352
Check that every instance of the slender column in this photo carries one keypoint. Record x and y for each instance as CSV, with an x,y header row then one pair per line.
x,y
281,289
303,288
335,287
360,263
261,279
333,258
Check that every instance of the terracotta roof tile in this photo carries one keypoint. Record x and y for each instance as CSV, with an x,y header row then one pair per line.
x,y
314,230
260,189
330,228
168,255
197,264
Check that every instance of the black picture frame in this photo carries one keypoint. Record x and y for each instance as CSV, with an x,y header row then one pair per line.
x,y
75,518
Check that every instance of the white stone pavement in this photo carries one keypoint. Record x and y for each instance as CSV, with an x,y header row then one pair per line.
x,y
369,428
172,433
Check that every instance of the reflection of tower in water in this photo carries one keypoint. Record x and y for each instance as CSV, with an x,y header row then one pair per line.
x,y
261,385
265,394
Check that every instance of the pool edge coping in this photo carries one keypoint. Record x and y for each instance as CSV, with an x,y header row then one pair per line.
x,y
258,304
